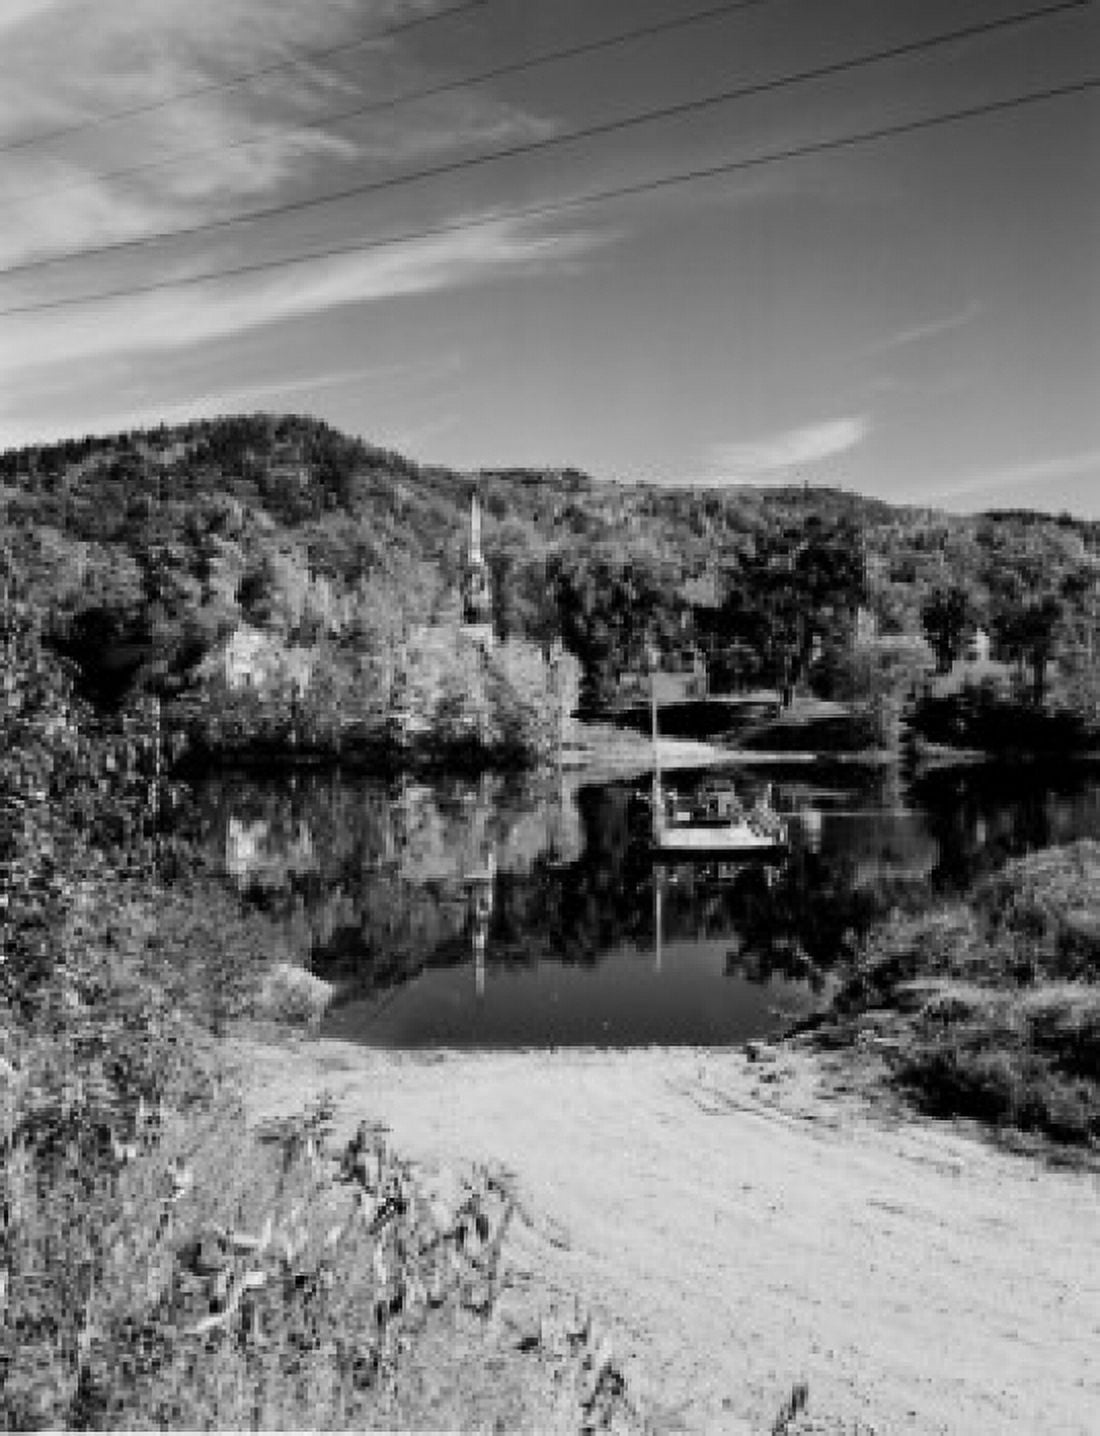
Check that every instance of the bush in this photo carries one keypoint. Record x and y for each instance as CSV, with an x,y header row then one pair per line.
x,y
111,989
946,942
1042,912
1005,1087
992,1005
1064,1022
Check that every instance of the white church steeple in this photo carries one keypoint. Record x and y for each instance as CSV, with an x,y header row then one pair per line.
x,y
476,559
477,597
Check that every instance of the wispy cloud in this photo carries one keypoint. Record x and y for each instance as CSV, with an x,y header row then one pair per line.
x,y
930,329
237,396
16,13
1034,472
56,196
41,353
137,405
139,51
415,440
776,455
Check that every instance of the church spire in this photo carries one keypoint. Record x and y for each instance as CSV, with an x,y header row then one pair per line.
x,y
476,559
477,598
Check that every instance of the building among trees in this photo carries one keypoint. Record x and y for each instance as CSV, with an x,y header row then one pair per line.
x,y
251,658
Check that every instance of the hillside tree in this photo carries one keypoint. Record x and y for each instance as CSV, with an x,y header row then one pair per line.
x,y
947,616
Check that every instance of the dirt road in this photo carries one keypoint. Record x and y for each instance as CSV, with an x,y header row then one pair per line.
x,y
740,1226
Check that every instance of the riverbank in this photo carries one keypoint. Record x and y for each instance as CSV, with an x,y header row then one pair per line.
x,y
602,752
600,749
741,1225
988,1005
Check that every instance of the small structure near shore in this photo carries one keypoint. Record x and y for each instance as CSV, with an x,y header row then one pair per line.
x,y
252,659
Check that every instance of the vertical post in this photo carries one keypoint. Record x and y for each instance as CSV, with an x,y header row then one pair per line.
x,y
658,910
479,962
653,715
658,792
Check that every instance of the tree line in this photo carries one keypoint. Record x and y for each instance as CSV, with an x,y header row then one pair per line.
x,y
146,551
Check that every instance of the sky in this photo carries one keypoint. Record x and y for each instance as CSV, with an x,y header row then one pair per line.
x,y
916,318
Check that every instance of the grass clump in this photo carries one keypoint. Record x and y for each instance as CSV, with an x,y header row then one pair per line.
x,y
989,1007
281,1282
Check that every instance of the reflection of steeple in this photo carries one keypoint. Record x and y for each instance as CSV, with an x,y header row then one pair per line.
x,y
481,909
812,821
479,961
658,915
477,596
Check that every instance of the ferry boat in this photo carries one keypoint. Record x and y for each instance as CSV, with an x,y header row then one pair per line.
x,y
714,822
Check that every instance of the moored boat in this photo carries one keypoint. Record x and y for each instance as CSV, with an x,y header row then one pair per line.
x,y
713,823
701,827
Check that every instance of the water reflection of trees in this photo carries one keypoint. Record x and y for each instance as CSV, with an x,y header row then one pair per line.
x,y
799,925
375,881
981,816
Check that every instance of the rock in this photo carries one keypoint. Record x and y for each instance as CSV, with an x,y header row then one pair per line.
x,y
760,1052
291,994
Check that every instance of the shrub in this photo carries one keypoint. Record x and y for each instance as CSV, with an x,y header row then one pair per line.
x,y
1042,911
992,1004
1064,1022
110,989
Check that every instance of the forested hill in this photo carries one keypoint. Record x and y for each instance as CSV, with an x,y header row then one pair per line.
x,y
171,537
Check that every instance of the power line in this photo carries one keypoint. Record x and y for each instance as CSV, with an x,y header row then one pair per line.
x,y
408,97
297,57
593,197
529,147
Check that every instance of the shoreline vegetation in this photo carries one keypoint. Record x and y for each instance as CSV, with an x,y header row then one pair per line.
x,y
987,1006
439,700
507,710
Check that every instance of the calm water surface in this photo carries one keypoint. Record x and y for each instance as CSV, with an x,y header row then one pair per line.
x,y
504,914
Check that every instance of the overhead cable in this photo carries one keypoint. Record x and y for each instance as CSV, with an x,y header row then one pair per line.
x,y
232,82
409,97
530,147
580,201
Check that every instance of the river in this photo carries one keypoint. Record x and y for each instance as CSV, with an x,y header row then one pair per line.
x,y
499,913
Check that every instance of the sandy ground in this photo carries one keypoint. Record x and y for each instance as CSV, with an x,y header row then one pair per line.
x,y
738,1226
